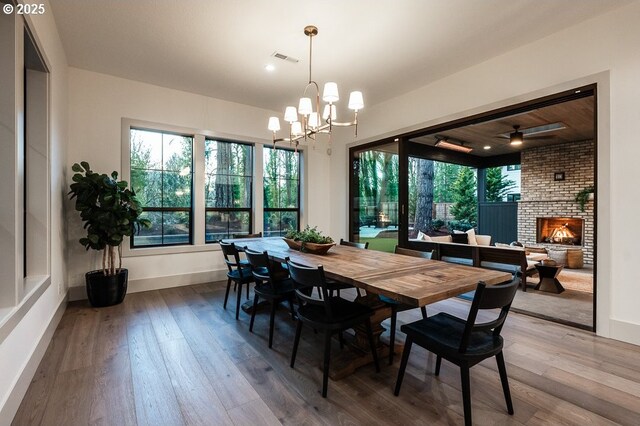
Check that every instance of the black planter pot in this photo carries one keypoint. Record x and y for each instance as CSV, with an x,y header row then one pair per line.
x,y
106,290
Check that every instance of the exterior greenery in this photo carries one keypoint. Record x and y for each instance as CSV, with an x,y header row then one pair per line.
x,y
465,201
162,176
109,211
281,190
497,185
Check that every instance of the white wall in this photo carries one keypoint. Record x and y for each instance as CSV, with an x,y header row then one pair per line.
x,y
603,50
21,350
98,102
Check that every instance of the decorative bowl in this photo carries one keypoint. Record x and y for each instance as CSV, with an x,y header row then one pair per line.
x,y
293,244
315,248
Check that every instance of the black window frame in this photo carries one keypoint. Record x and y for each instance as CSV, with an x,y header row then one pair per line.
x,y
232,209
188,210
283,209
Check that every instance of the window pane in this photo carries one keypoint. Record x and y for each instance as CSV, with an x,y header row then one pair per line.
x,y
277,223
176,190
146,149
148,187
150,236
221,225
228,168
177,227
176,153
288,193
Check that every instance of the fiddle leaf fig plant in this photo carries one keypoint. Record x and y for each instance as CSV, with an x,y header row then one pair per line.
x,y
110,211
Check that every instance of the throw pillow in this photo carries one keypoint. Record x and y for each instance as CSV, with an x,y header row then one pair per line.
x,y
427,238
421,235
460,238
471,236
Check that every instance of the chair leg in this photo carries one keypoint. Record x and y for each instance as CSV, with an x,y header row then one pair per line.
x,y
423,309
392,333
248,285
438,364
403,364
466,394
327,355
226,294
341,339
505,381
274,305
372,345
238,299
293,312
319,293
253,312
296,340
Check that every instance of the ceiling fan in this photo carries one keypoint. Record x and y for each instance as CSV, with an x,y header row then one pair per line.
x,y
517,137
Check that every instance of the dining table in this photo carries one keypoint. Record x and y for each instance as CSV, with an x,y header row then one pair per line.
x,y
409,280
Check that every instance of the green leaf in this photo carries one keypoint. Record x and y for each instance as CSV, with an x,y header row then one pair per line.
x,y
76,168
86,166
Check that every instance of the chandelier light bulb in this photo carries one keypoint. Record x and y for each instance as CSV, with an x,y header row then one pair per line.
x,y
305,107
290,114
314,120
296,128
330,93
355,101
274,124
325,113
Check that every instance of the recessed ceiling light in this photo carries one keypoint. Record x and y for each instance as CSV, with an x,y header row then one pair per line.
x,y
487,147
578,91
269,67
396,139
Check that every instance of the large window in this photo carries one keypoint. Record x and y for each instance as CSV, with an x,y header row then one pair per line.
x,y
281,191
228,189
162,176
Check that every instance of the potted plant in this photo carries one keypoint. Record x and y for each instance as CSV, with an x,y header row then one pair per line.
x,y
583,196
110,212
310,240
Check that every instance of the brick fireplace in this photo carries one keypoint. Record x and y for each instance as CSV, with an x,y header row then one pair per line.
x,y
547,204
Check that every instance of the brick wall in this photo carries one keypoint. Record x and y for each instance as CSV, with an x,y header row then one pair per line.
x,y
544,197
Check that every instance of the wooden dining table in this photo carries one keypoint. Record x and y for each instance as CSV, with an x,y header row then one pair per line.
x,y
409,280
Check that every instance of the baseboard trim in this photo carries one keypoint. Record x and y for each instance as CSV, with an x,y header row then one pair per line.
x,y
625,331
157,283
12,403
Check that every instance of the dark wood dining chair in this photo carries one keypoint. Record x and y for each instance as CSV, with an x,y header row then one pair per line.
x,y
336,286
272,284
238,236
354,244
239,273
330,314
465,343
401,307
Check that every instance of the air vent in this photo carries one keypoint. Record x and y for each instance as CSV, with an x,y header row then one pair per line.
x,y
545,128
285,57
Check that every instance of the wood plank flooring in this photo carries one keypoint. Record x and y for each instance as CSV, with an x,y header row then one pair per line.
x,y
176,357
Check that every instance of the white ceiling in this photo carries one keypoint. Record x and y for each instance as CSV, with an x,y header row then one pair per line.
x,y
383,48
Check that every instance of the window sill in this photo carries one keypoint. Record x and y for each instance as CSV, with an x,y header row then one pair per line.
x,y
11,316
155,251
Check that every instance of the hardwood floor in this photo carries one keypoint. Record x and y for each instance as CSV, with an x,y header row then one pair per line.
x,y
176,357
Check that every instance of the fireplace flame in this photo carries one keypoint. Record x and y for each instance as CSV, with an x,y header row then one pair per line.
x,y
561,234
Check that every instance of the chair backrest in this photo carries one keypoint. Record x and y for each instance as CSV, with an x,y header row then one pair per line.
x,y
489,297
305,279
258,235
260,264
414,253
352,244
231,255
